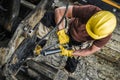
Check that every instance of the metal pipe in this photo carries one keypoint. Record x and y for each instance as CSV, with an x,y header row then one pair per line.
x,y
52,51
28,4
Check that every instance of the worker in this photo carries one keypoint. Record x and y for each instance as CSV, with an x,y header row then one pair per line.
x,y
87,23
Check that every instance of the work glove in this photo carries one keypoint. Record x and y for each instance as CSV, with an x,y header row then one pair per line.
x,y
66,52
63,37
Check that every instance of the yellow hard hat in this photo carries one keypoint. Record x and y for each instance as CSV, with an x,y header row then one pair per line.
x,y
101,24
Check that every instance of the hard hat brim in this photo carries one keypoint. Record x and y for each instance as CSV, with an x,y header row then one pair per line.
x,y
91,34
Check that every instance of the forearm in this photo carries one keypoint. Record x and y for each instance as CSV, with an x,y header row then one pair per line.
x,y
86,52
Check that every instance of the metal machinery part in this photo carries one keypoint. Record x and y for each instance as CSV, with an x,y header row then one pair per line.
x,y
10,13
16,61
34,13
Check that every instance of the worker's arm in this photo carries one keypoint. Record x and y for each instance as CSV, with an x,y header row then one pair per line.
x,y
86,52
59,12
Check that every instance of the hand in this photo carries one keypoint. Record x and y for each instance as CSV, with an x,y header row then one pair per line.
x,y
66,52
63,37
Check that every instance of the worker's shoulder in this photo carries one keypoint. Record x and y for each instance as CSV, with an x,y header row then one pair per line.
x,y
88,6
